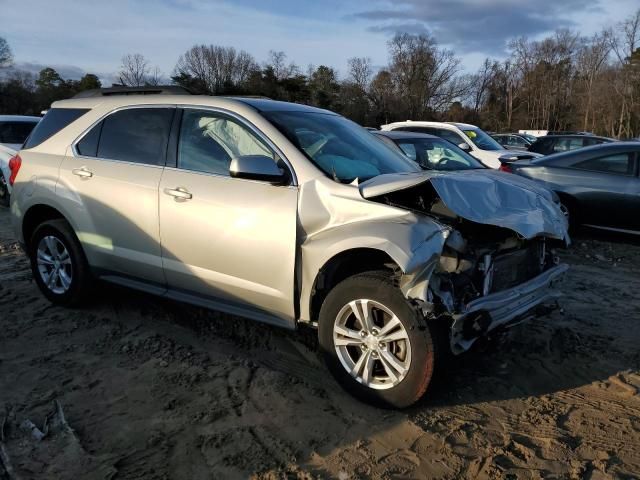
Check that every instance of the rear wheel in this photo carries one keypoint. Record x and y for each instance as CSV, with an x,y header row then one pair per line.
x,y
58,263
4,192
375,342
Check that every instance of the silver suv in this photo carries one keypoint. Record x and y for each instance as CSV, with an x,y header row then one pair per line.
x,y
289,215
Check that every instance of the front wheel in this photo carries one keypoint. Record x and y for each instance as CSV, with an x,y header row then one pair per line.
x,y
374,341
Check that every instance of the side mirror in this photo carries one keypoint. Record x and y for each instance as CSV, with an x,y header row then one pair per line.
x,y
257,167
464,146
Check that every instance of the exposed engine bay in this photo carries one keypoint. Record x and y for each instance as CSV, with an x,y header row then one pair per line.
x,y
477,261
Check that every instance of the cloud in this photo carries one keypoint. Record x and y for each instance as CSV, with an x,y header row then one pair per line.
x,y
67,72
477,26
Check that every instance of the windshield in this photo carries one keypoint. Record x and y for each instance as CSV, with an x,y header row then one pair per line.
x,y
481,139
530,138
340,148
437,154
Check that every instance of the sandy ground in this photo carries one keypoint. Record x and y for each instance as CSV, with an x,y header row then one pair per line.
x,y
158,390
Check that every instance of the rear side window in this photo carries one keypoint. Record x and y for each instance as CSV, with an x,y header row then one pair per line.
x,y
55,120
566,144
542,145
138,135
619,164
88,146
593,141
15,132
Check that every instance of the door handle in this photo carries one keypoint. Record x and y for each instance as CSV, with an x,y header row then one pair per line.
x,y
82,172
179,193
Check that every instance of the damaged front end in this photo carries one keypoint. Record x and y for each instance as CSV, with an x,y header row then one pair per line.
x,y
497,266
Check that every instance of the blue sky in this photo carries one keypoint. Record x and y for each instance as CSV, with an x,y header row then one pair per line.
x,y
77,36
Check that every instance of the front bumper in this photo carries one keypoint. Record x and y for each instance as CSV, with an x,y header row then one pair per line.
x,y
507,307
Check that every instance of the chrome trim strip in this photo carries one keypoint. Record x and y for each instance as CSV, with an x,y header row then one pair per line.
x,y
228,177
111,112
242,120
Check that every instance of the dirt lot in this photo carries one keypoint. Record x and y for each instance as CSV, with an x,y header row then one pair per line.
x,y
156,390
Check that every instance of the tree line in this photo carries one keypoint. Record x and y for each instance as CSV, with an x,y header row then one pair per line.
x,y
563,82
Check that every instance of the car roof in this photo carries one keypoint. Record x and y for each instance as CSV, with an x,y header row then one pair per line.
x,y
19,118
420,123
399,135
587,151
576,135
462,125
117,101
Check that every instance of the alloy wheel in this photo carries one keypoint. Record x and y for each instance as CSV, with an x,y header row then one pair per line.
x,y
372,344
54,265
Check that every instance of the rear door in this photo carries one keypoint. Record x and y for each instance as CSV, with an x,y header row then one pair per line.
x,y
110,183
227,240
610,190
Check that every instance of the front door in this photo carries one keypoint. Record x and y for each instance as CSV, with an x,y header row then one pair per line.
x,y
610,190
226,239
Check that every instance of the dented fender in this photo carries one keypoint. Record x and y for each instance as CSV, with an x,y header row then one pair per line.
x,y
344,222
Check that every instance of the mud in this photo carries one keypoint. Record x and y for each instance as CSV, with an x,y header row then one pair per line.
x,y
153,389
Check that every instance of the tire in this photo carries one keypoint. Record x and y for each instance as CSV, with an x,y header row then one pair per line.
x,y
4,192
47,248
415,352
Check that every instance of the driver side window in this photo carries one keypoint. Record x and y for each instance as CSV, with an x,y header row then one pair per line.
x,y
210,140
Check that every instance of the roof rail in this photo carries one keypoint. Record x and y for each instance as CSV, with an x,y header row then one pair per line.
x,y
121,90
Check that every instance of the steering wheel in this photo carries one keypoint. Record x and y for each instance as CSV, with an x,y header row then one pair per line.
x,y
443,162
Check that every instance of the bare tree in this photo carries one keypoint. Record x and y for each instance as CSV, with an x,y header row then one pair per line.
x,y
6,57
592,58
479,83
628,38
215,66
424,75
625,41
278,62
134,70
360,72
154,77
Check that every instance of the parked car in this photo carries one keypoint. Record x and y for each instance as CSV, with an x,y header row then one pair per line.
x,y
567,132
467,137
289,215
513,141
534,133
6,154
14,129
563,143
429,151
598,186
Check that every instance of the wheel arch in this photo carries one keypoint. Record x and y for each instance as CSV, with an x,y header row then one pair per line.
x,y
36,215
571,203
346,264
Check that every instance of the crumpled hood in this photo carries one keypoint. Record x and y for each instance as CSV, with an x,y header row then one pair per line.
x,y
484,196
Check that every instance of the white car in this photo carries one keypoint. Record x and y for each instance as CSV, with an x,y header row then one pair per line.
x,y
468,137
5,188
14,129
